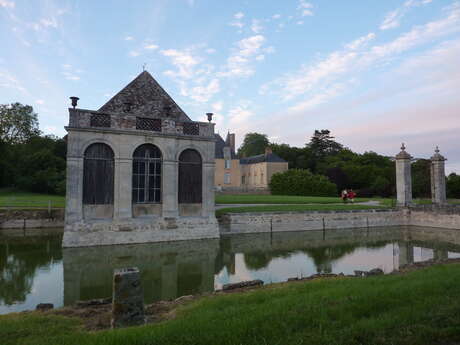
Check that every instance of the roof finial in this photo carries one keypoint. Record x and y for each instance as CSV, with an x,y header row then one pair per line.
x,y
403,147
437,149
143,66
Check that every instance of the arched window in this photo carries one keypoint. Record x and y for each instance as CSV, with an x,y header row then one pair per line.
x,y
98,174
147,174
190,177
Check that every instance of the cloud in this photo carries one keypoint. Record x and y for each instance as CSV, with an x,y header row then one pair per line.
x,y
210,50
356,57
150,46
71,73
217,106
129,38
358,43
239,62
240,115
51,22
237,22
203,94
256,27
276,16
184,60
305,8
9,81
393,18
7,4
40,101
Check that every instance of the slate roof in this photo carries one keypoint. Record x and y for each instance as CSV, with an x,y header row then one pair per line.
x,y
220,144
270,157
147,98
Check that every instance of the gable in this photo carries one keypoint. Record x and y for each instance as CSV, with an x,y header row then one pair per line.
x,y
146,98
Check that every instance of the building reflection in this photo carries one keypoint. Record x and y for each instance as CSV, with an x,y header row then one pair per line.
x,y
168,270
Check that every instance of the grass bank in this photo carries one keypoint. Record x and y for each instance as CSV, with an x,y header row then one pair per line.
x,y
420,307
18,199
279,199
291,208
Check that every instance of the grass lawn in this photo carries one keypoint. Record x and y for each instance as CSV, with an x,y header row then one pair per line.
x,y
279,199
421,307
287,208
13,198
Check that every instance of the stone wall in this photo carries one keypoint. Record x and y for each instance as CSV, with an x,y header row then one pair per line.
x,y
25,219
446,216
423,215
315,220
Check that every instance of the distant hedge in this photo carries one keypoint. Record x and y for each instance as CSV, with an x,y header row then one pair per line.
x,y
301,182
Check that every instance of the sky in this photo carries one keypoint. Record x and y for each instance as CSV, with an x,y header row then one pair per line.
x,y
375,73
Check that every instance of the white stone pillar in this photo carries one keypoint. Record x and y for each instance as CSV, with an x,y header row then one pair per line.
x,y
170,187
123,188
403,178
438,178
74,190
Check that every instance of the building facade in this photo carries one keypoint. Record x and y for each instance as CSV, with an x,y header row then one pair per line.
x,y
138,170
244,174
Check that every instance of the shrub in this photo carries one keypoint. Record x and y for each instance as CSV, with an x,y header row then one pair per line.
x,y
301,182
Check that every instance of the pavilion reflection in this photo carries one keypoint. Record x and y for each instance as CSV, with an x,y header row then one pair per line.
x,y
168,270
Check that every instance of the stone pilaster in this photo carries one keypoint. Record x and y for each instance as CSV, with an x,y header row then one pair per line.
x,y
74,190
170,183
438,178
208,190
123,186
403,178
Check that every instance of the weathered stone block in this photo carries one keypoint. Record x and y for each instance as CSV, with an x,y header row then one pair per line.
x,y
128,298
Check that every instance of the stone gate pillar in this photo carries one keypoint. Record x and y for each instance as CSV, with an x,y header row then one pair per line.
x,y
438,178
403,178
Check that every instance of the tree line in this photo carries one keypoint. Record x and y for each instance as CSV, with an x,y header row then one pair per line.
x,y
369,173
29,160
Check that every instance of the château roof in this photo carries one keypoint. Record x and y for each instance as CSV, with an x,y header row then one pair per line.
x,y
220,145
147,98
265,157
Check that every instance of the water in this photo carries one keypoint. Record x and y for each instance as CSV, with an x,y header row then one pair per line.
x,y
35,269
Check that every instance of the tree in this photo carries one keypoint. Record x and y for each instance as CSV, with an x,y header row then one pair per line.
x,y
253,144
17,123
421,179
453,186
322,143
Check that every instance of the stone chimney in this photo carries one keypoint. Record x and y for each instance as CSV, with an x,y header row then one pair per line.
x,y
231,137
268,150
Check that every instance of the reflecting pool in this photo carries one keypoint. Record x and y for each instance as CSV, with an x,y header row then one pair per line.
x,y
35,269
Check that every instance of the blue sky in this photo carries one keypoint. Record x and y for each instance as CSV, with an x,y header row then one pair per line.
x,y
376,73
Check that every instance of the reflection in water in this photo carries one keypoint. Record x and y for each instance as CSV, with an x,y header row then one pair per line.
x,y
35,269
167,270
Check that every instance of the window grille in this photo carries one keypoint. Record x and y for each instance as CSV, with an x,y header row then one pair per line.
x,y
228,164
146,124
191,128
100,120
147,174
227,178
